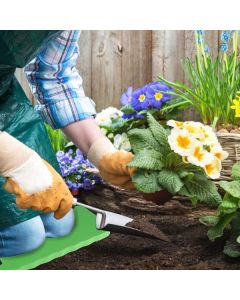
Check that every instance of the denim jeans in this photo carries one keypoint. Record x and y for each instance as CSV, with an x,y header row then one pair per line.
x,y
30,234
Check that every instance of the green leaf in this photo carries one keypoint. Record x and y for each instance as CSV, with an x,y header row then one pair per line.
x,y
185,174
209,220
218,229
141,139
148,159
229,202
172,159
232,187
146,182
204,189
232,249
158,131
170,181
127,109
236,171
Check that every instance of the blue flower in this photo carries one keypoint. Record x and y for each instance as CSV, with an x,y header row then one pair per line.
x,y
126,96
200,36
224,47
72,165
139,100
134,115
206,50
225,36
156,94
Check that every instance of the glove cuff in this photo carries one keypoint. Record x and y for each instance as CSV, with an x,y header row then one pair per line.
x,y
101,147
13,153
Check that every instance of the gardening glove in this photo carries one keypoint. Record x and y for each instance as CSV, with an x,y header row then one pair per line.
x,y
112,163
34,182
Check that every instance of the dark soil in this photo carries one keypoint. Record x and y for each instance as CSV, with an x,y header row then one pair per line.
x,y
189,247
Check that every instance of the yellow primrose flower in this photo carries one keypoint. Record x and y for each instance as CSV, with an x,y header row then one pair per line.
x,y
200,157
216,150
181,141
195,128
210,137
214,168
175,124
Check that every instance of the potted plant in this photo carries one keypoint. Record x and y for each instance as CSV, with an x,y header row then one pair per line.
x,y
214,84
152,98
178,160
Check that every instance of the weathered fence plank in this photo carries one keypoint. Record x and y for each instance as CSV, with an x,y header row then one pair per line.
x,y
106,67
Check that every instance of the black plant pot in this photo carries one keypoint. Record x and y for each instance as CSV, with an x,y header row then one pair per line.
x,y
159,198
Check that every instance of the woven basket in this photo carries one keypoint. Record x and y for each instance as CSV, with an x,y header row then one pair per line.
x,y
231,143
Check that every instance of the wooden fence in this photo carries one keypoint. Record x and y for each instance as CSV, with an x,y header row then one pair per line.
x,y
111,61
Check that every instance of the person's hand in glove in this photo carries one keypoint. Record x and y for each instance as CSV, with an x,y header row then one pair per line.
x,y
112,163
34,182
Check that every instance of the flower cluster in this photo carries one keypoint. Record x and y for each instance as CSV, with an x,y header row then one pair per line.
x,y
225,37
236,105
106,116
74,168
152,95
198,145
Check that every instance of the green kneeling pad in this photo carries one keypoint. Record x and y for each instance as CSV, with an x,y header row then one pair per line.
x,y
83,234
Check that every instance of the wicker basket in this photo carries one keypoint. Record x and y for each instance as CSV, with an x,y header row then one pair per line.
x,y
230,143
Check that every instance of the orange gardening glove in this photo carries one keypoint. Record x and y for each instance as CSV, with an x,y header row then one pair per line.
x,y
112,163
34,182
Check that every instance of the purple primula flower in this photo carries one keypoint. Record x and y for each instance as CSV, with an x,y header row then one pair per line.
x,y
139,100
73,165
134,115
155,92
126,96
60,154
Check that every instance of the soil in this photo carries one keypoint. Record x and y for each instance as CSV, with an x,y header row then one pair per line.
x,y
189,247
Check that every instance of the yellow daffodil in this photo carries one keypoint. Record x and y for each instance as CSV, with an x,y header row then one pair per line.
x,y
213,169
236,105
200,157
181,141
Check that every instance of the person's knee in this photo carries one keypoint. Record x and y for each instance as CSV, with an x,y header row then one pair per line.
x,y
58,227
23,237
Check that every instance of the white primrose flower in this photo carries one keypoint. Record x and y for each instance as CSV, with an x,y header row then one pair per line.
x,y
200,157
121,142
105,117
213,169
112,112
181,142
103,120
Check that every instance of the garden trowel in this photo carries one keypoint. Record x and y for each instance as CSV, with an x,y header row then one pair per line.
x,y
113,222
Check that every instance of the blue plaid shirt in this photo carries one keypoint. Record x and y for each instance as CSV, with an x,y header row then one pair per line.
x,y
56,83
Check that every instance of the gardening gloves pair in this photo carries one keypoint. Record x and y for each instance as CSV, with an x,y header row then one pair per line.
x,y
112,163
34,182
